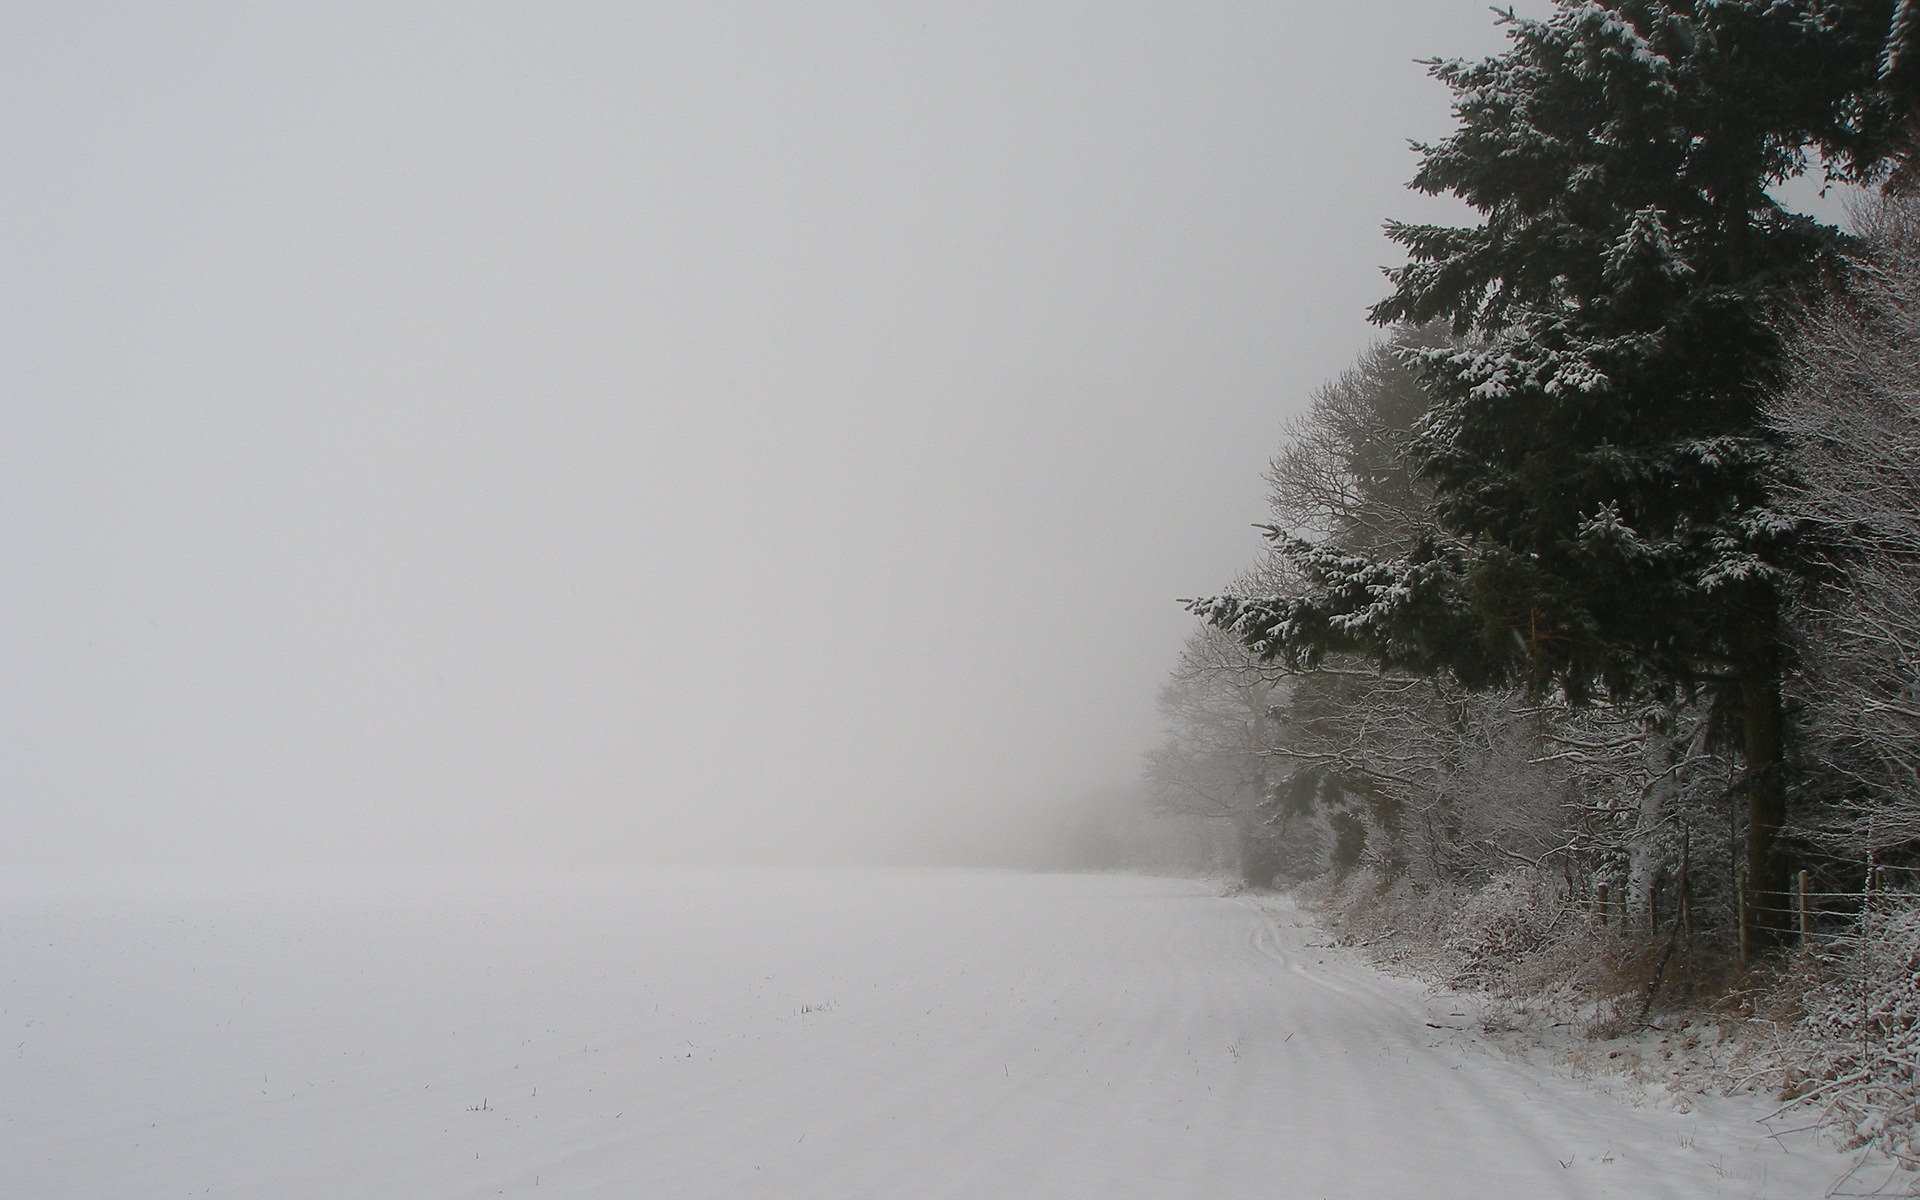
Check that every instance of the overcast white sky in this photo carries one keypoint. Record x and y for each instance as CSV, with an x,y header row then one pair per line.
x,y
638,431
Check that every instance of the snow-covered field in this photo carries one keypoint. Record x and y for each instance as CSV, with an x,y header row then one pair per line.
x,y
776,1034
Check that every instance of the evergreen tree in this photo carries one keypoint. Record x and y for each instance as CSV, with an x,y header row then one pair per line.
x,y
1604,480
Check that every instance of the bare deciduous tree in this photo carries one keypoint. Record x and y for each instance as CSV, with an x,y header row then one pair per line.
x,y
1851,411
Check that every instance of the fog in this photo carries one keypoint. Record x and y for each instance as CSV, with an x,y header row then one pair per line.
x,y
651,432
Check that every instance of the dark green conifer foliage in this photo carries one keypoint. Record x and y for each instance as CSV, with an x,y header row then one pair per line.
x,y
1604,480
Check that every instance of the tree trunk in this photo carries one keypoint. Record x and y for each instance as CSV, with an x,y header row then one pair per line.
x,y
1646,849
1765,729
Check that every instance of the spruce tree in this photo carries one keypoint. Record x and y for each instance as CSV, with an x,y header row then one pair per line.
x,y
1605,481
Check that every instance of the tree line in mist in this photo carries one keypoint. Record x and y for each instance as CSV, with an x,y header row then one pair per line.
x,y
1603,567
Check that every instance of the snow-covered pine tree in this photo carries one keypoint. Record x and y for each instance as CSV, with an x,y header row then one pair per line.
x,y
1605,481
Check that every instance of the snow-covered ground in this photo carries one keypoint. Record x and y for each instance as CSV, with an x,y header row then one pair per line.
x,y
777,1034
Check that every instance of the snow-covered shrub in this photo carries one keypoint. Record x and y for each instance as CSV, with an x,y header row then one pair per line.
x,y
1534,956
1397,921
1462,937
1499,925
1855,1057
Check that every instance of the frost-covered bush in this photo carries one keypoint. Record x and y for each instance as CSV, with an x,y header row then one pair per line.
x,y
1517,940
1398,921
1855,1057
1498,926
1463,937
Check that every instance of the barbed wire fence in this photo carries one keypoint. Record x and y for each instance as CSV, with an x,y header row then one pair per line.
x,y
1813,918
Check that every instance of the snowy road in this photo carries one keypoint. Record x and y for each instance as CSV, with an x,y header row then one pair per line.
x,y
704,1034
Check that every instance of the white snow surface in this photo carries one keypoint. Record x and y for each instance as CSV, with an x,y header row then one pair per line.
x,y
776,1034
